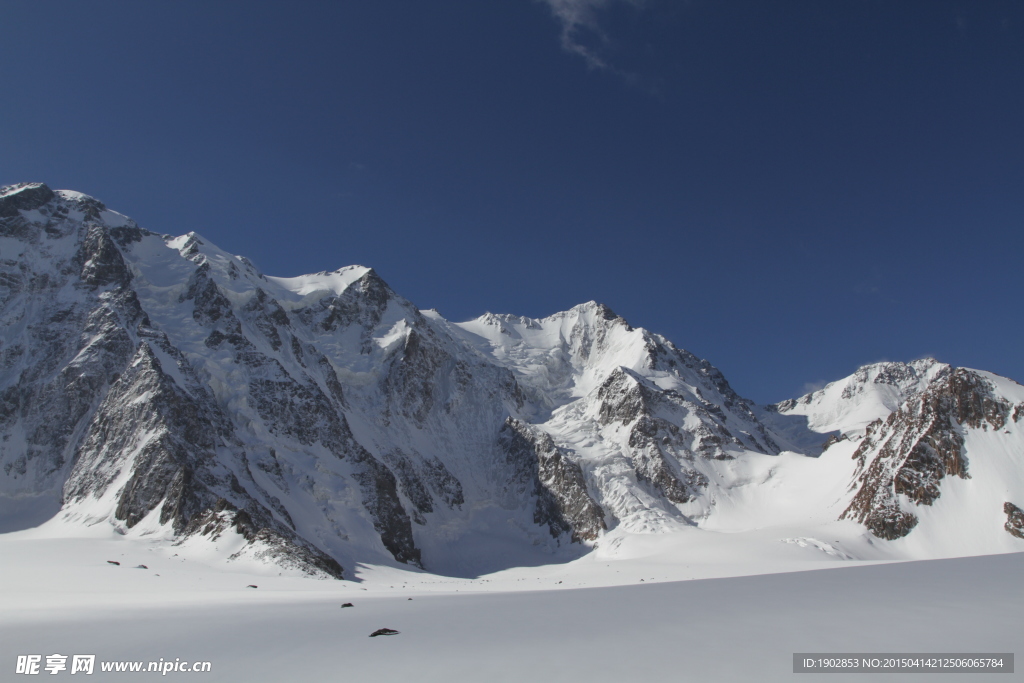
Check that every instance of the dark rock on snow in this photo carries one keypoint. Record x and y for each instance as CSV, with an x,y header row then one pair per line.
x,y
384,632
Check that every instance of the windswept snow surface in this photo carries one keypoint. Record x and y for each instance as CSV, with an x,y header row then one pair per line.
x,y
592,621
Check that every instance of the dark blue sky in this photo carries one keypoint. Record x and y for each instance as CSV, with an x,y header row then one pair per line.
x,y
789,189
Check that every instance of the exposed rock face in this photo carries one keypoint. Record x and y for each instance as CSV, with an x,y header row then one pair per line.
x,y
265,543
563,503
167,435
23,197
655,443
1014,520
67,334
832,440
909,453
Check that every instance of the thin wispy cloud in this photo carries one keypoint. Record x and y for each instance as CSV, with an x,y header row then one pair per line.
x,y
811,387
581,25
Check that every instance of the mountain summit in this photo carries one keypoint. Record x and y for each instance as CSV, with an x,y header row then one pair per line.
x,y
164,386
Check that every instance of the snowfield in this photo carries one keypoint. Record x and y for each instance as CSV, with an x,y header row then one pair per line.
x,y
588,621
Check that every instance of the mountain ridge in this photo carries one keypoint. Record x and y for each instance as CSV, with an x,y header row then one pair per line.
x,y
159,382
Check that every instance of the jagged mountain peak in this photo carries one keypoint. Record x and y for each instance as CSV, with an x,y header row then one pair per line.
x,y
333,282
37,208
568,355
872,391
17,188
898,373
27,189
593,309
589,313
81,199
23,196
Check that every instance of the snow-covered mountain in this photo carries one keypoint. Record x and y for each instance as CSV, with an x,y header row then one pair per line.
x,y
929,442
166,387
851,404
